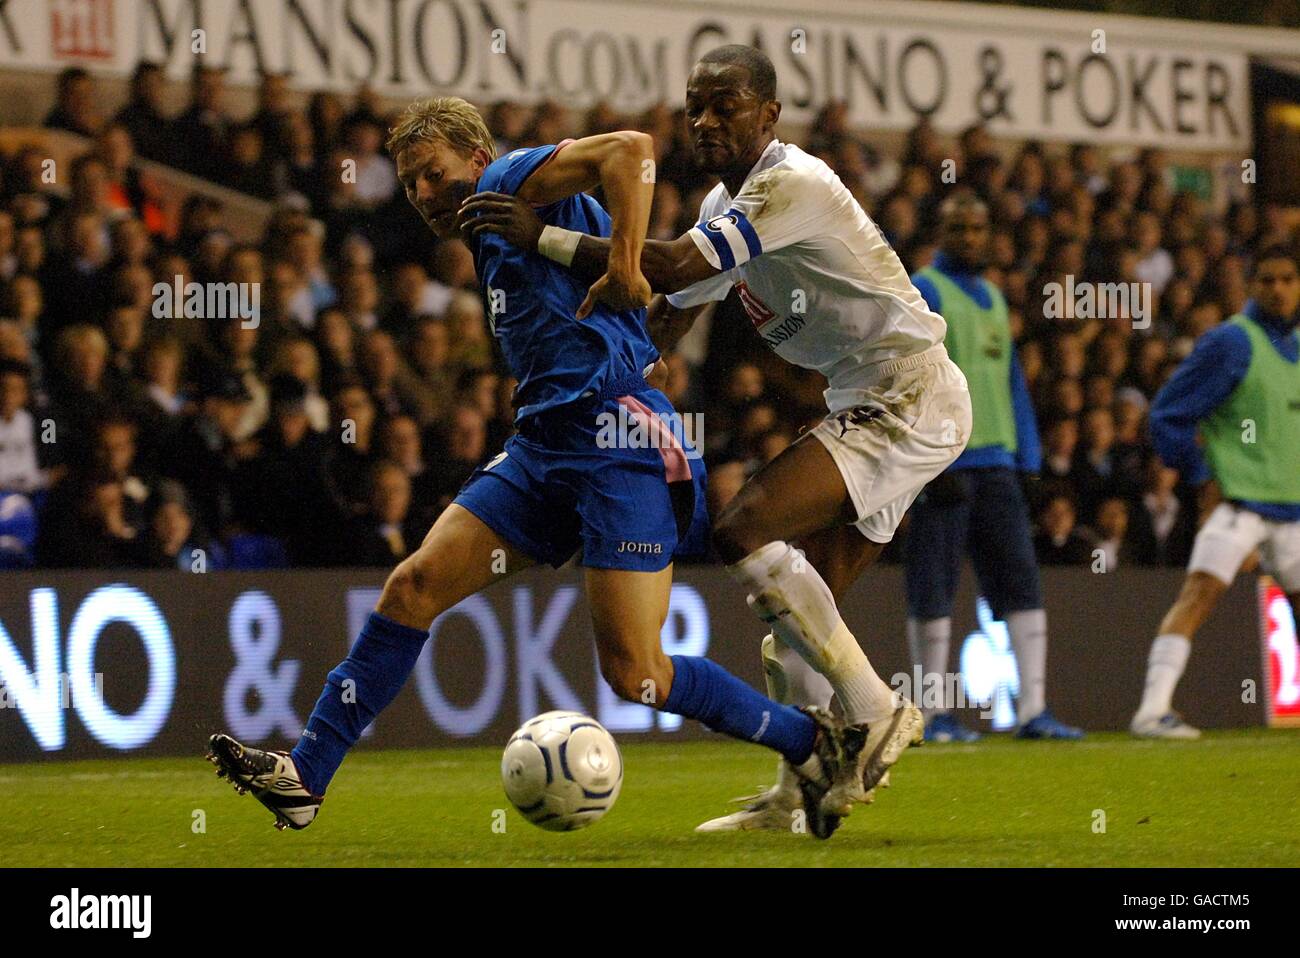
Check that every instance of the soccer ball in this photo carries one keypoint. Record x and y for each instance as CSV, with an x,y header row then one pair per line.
x,y
562,770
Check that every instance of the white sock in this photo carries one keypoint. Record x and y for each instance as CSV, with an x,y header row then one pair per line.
x,y
929,640
791,680
1165,664
1028,629
793,599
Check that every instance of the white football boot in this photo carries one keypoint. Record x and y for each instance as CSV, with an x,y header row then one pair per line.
x,y
772,810
877,746
270,776
1167,726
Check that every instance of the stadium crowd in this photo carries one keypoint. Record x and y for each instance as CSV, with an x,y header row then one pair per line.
x,y
335,430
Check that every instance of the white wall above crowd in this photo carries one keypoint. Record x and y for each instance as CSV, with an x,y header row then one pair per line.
x,y
1027,73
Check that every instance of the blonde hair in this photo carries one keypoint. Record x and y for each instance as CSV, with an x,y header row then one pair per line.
x,y
77,336
448,118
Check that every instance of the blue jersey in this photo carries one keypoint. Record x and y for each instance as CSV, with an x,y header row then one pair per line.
x,y
531,303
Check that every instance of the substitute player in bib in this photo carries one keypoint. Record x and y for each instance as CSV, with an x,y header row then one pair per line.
x,y
561,486
825,291
1240,388
977,505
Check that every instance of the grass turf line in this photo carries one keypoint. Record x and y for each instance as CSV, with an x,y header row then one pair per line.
x,y
1227,800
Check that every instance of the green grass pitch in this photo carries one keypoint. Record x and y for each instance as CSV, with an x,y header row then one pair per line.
x,y
1227,800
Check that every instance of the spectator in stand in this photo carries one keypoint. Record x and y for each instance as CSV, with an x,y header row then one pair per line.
x,y
76,277
80,392
125,329
478,388
173,541
285,491
287,307
93,533
471,344
21,306
304,251
298,168
76,285
161,361
401,442
202,131
143,117
205,453
1112,533
1164,524
464,449
336,342
359,299
376,177
126,192
20,469
114,457
325,113
274,109
394,388
385,534
1059,540
75,109
414,295
1060,443
296,356
429,347
1094,474
508,122
352,447
250,168
8,257
237,356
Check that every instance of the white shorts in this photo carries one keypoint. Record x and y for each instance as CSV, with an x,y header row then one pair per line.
x,y
911,422
1232,533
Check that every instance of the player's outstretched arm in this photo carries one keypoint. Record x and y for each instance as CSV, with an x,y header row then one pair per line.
x,y
669,266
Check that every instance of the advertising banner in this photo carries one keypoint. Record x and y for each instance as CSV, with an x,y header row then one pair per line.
x,y
154,662
1044,75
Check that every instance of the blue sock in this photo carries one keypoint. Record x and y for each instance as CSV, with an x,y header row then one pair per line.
x,y
378,665
705,691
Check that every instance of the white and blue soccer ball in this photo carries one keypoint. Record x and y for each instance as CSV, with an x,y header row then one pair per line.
x,y
562,770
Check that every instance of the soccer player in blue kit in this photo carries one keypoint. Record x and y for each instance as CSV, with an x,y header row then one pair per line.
x,y
556,489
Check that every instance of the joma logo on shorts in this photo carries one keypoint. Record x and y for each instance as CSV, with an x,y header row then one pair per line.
x,y
643,548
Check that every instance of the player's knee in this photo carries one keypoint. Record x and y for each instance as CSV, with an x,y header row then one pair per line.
x,y
637,678
407,594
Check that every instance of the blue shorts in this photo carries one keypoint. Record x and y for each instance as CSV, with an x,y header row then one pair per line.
x,y
585,474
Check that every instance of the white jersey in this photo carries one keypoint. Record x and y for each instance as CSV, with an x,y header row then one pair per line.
x,y
817,278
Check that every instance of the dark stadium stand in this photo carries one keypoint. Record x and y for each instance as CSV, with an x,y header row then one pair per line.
x,y
154,434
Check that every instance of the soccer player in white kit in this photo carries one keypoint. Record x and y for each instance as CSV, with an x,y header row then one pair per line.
x,y
825,291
